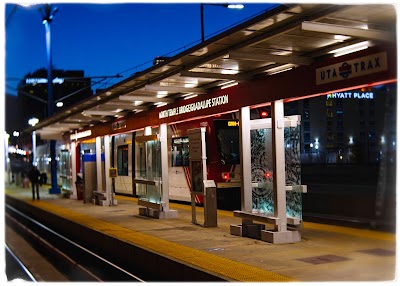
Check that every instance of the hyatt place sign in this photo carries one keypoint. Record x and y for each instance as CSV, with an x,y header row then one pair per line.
x,y
353,68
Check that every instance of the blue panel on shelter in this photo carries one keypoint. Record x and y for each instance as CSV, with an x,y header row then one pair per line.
x,y
90,157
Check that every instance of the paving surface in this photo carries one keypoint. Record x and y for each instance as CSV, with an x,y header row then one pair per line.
x,y
325,253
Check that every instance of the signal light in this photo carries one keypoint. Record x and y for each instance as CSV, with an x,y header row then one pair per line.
x,y
226,176
268,175
264,114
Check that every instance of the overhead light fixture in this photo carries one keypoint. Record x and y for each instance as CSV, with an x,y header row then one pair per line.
x,y
190,96
161,94
144,98
99,112
227,82
350,49
280,69
229,85
341,37
59,104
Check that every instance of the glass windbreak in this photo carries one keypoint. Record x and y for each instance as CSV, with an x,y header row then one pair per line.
x,y
64,168
180,151
122,160
149,170
262,174
293,172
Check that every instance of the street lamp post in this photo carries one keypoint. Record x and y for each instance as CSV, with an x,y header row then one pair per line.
x,y
33,121
230,6
48,13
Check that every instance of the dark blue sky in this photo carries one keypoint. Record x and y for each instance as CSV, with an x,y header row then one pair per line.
x,y
106,39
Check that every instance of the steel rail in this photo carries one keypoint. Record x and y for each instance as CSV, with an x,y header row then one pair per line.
x,y
80,247
20,263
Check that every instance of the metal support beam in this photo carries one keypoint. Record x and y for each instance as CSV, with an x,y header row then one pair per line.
x,y
103,112
164,167
270,58
99,165
123,105
212,75
349,31
278,162
74,194
175,89
245,159
145,98
107,166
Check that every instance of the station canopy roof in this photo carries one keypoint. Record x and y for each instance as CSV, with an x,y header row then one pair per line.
x,y
284,37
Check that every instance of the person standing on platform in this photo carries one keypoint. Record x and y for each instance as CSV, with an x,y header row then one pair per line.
x,y
34,177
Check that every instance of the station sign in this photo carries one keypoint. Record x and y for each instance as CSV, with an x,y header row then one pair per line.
x,y
195,106
43,80
353,68
351,95
118,125
79,135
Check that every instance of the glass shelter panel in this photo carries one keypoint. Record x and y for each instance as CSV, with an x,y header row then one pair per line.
x,y
122,160
180,151
262,171
149,170
293,172
64,169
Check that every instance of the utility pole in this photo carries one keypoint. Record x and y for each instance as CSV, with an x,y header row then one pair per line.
x,y
48,14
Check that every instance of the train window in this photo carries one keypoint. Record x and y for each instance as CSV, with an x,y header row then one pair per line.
x,y
122,160
180,151
227,132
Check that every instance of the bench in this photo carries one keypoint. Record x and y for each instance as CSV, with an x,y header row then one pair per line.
x,y
292,222
255,230
99,196
298,189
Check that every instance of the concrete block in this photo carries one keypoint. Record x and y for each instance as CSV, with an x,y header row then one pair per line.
x,y
104,203
153,213
252,230
277,237
167,214
296,236
236,229
143,211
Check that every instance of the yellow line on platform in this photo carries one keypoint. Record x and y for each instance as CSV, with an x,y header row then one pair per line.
x,y
366,233
226,268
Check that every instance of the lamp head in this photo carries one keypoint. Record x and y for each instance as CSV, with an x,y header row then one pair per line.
x,y
235,6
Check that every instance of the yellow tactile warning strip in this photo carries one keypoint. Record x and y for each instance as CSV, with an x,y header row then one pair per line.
x,y
365,233
229,269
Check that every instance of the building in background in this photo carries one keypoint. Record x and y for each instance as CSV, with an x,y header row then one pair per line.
x,y
349,127
69,87
346,127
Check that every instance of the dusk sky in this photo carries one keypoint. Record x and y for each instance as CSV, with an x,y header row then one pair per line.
x,y
107,39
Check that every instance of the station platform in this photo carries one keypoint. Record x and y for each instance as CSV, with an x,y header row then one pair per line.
x,y
326,253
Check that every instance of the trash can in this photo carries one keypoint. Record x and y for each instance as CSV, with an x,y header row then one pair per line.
x,y
79,189
210,204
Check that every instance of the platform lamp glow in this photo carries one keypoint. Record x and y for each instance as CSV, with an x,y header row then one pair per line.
x,y
33,121
229,6
48,13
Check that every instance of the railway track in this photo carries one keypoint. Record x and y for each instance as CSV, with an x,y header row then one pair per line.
x,y
75,261
16,269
